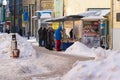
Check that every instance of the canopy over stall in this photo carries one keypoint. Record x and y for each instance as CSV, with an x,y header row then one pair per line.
x,y
65,18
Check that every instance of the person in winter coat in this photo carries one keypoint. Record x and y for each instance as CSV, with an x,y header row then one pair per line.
x,y
50,38
40,36
58,37
71,33
44,31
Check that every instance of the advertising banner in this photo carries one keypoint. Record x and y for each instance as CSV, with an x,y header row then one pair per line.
x,y
58,8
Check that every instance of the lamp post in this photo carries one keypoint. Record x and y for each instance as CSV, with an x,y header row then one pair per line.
x,y
4,3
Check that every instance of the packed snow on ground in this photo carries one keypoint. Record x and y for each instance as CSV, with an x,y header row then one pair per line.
x,y
105,67
26,64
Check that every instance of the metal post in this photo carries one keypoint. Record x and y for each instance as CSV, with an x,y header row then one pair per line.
x,y
14,27
4,21
4,13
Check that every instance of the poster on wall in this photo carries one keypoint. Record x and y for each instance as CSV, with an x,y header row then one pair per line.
x,y
58,8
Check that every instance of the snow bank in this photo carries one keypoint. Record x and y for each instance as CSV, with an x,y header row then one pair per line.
x,y
104,69
25,47
101,53
26,65
80,49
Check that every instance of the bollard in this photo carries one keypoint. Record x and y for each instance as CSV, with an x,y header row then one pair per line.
x,y
14,44
14,51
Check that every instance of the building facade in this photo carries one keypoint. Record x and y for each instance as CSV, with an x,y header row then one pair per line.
x,y
115,23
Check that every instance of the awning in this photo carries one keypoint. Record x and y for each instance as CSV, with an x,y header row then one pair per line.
x,y
65,18
34,16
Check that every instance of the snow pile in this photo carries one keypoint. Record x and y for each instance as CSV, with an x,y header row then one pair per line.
x,y
26,65
12,68
104,69
25,47
101,53
80,49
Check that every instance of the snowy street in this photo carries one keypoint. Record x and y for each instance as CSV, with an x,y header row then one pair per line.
x,y
57,62
39,63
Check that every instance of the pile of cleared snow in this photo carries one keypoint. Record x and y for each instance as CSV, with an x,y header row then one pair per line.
x,y
26,65
105,69
80,49
25,47
101,53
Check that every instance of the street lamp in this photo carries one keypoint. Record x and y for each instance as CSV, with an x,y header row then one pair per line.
x,y
4,3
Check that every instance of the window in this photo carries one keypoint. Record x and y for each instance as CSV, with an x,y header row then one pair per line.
x,y
117,16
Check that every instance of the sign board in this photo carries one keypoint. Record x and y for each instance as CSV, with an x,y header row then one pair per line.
x,y
55,25
47,5
26,16
58,8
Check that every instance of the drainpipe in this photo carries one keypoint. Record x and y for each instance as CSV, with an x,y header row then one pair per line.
x,y
112,22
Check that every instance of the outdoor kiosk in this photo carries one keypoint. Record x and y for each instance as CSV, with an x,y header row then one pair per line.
x,y
66,42
95,31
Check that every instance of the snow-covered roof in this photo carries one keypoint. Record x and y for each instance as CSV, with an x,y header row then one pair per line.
x,y
96,13
93,18
45,15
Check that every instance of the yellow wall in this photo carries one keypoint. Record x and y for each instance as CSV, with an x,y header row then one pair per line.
x,y
78,6
116,9
26,2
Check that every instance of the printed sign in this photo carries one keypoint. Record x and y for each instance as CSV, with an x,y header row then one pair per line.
x,y
25,16
55,25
